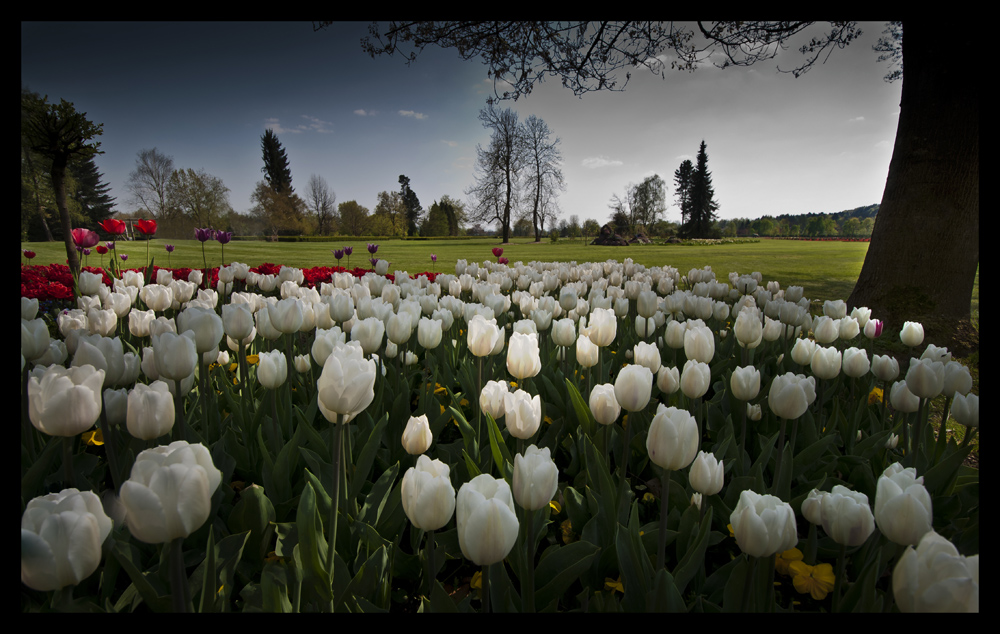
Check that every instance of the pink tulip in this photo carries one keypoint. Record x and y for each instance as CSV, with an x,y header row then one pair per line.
x,y
84,238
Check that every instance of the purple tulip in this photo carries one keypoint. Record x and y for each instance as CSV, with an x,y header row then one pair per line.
x,y
110,245
348,250
86,251
434,258
338,253
170,248
374,261
204,235
223,237
123,256
372,248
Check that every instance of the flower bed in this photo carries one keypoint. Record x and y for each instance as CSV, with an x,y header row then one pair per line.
x,y
510,437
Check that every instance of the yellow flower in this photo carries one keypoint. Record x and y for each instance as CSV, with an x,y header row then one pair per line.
x,y
252,359
783,560
212,366
440,389
513,383
731,532
233,366
548,420
477,581
93,437
567,531
555,507
875,396
463,403
614,585
816,580
648,498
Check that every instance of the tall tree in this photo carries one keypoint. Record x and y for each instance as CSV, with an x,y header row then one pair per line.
x,y
199,197
280,214
321,201
61,134
683,178
147,183
277,173
499,168
931,199
544,178
389,215
353,218
702,199
412,205
91,191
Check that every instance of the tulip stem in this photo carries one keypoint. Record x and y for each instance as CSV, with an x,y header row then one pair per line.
x,y
338,439
430,562
748,584
486,588
68,460
839,580
178,577
528,591
777,460
661,551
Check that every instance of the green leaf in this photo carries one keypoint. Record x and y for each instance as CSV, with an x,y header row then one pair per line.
x,y
583,414
559,568
501,455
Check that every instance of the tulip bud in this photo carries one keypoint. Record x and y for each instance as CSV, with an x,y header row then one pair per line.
x,y
604,405
884,367
272,369
668,380
633,387
483,335
169,493
522,414
487,524
61,538
699,344
417,435
826,362
491,399
847,518
346,386
603,327
763,524
745,383
536,478
427,495
965,409
902,399
523,359
302,363
936,578
855,362
925,378
696,378
586,352
150,411
902,505
812,506
65,402
912,334
707,474
791,394
672,441
648,355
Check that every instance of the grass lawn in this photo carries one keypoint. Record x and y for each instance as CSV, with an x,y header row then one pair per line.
x,y
827,270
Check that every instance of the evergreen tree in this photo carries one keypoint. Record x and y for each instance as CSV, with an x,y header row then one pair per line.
x,y
412,205
91,192
703,203
683,179
276,171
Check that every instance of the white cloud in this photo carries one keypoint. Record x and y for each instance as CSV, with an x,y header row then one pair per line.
x,y
361,112
275,126
854,119
450,143
317,125
595,162
410,113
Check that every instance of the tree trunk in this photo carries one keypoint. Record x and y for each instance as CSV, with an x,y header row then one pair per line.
x,y
924,252
59,185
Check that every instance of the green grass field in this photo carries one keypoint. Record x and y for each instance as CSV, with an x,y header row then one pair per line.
x,y
827,270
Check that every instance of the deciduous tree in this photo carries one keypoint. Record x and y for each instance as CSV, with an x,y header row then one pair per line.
x,y
147,183
498,169
61,134
543,176
931,198
353,218
321,201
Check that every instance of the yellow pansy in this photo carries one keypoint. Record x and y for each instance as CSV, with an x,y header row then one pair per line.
x,y
648,498
547,419
875,396
233,366
784,559
614,585
816,581
555,507
93,437
252,359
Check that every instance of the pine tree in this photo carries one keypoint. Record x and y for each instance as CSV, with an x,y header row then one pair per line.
x,y
412,204
683,178
92,192
703,203
276,171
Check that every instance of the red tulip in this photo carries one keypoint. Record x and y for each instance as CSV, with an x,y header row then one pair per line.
x,y
147,227
497,251
111,225
102,249
29,254
84,238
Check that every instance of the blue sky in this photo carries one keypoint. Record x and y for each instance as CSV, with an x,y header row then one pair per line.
x,y
203,93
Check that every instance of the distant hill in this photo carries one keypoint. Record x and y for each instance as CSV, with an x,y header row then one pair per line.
x,y
857,222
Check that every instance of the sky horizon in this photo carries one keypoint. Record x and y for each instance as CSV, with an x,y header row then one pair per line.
x,y
204,93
